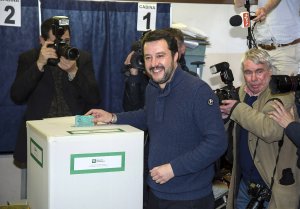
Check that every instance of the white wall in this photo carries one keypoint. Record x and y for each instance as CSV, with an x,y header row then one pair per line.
x,y
227,43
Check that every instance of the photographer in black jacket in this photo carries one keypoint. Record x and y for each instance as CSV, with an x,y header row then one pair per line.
x,y
65,86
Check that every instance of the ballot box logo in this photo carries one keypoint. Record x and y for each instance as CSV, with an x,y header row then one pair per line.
x,y
97,162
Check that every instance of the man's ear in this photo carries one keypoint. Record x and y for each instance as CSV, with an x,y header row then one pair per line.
x,y
176,55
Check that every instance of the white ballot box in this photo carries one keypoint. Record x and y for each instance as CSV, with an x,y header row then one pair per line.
x,y
84,167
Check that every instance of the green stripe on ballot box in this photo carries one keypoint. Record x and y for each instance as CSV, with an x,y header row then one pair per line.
x,y
97,162
36,152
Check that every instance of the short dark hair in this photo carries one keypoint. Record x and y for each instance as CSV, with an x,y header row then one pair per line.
x,y
47,26
160,34
177,33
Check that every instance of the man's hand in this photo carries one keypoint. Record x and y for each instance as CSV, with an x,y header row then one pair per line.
x,y
226,107
162,174
260,14
281,115
69,66
45,54
100,115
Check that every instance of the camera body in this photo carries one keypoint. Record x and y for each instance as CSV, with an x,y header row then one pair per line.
x,y
284,83
259,194
229,91
137,59
59,25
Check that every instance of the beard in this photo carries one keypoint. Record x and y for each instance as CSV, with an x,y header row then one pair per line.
x,y
168,73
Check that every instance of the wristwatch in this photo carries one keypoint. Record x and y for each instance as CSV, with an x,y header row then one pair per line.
x,y
113,118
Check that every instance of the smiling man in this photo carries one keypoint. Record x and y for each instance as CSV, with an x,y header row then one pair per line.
x,y
186,130
265,161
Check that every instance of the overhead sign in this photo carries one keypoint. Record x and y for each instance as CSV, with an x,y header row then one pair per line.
x,y
146,16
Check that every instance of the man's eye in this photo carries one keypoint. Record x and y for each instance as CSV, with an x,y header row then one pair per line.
x,y
260,71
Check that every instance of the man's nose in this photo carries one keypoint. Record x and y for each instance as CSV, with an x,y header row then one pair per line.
x,y
154,62
253,77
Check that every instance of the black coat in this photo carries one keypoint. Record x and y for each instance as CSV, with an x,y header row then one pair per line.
x,y
36,89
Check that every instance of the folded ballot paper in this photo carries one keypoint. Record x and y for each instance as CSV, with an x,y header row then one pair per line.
x,y
73,121
84,120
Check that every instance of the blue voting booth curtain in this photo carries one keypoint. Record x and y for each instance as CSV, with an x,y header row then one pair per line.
x,y
105,29
13,41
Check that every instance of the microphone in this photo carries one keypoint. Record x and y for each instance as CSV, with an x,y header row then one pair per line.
x,y
243,19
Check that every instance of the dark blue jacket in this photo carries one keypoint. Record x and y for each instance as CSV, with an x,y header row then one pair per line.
x,y
186,130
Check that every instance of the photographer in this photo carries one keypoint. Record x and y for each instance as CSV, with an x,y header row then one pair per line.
x,y
63,87
265,173
136,81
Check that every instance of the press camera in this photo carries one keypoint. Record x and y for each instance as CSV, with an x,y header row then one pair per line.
x,y
228,91
284,83
259,195
59,26
137,58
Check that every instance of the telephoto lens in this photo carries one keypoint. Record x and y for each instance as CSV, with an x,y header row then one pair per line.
x,y
284,83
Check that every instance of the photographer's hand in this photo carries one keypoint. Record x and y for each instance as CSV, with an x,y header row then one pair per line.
x,y
226,107
134,71
281,115
70,66
45,53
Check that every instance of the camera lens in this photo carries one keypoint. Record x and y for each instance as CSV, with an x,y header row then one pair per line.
x,y
284,83
71,53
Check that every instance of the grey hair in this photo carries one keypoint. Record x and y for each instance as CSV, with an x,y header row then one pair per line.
x,y
259,56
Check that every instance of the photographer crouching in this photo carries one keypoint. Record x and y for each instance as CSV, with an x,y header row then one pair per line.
x,y
265,172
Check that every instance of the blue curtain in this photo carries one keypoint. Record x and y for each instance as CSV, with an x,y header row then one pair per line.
x,y
14,40
105,29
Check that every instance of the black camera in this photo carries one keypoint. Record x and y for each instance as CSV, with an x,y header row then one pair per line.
x,y
137,59
259,195
59,25
228,91
284,83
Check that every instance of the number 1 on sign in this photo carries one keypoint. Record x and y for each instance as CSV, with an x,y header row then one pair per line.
x,y
146,16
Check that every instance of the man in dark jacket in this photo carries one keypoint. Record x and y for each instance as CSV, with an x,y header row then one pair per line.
x,y
186,131
51,84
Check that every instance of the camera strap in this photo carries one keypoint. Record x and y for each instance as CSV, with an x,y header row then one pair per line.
x,y
280,143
